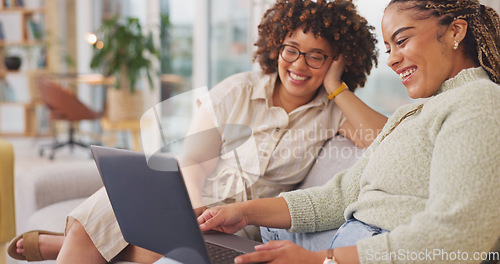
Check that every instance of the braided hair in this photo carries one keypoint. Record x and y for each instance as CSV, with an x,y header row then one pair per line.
x,y
482,40
336,21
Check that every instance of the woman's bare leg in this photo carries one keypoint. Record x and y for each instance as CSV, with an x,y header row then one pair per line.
x,y
137,254
78,247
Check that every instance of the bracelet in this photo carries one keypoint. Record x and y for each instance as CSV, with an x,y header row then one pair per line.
x,y
330,259
341,88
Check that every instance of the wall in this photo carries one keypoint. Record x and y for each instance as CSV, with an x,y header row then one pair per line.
x,y
493,3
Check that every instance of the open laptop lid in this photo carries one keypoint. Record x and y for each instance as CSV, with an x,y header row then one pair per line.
x,y
152,207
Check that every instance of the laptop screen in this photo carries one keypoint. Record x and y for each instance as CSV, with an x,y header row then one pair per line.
x,y
152,207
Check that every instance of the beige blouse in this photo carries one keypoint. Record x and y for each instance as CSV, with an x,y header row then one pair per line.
x,y
281,148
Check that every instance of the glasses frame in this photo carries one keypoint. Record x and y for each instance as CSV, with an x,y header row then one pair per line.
x,y
283,46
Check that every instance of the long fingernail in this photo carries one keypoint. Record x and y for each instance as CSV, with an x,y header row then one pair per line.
x,y
238,260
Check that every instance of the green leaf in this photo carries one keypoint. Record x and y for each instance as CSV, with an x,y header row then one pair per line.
x,y
125,45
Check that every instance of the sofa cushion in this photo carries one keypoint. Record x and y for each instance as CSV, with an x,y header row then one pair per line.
x,y
53,217
49,184
338,153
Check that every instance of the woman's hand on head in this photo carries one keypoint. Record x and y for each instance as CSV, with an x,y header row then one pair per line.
x,y
228,219
333,76
283,251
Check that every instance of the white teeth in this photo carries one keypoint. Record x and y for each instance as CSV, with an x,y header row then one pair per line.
x,y
296,77
406,73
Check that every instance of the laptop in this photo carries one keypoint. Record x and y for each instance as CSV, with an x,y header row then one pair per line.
x,y
154,211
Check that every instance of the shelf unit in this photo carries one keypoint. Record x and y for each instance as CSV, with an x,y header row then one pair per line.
x,y
22,34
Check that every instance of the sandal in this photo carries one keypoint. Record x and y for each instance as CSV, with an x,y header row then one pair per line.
x,y
30,244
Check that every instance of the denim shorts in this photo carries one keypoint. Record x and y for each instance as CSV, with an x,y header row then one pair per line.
x,y
347,235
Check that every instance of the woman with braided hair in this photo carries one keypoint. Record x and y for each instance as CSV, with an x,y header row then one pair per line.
x,y
313,55
427,188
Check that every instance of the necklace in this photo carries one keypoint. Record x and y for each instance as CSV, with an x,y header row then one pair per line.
x,y
412,112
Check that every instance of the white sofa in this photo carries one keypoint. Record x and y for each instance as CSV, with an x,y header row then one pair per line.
x,y
45,195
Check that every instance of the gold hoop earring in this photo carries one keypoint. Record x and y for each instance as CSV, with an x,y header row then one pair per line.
x,y
455,46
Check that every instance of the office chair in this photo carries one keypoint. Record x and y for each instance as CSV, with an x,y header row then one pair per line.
x,y
63,105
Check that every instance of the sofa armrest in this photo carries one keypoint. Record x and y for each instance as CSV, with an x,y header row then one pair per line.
x,y
42,186
337,154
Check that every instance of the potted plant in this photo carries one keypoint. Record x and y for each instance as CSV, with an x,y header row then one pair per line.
x,y
124,51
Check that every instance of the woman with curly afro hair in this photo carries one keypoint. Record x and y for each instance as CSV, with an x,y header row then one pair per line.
x,y
313,55
331,35
347,33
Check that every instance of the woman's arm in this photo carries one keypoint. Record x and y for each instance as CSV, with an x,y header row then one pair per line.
x,y
200,154
363,124
270,212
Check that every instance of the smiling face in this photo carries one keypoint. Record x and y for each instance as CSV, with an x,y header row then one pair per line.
x,y
300,82
420,51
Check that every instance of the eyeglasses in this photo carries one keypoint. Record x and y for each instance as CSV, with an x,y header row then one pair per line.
x,y
314,59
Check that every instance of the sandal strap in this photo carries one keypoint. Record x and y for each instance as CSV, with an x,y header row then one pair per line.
x,y
31,246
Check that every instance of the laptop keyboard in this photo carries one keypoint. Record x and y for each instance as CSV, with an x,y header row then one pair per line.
x,y
221,255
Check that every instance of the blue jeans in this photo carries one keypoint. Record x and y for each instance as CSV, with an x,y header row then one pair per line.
x,y
347,235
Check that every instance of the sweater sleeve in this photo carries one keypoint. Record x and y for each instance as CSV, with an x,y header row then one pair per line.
x,y
322,208
461,218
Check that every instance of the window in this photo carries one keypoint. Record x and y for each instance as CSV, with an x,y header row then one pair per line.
x,y
230,43
383,90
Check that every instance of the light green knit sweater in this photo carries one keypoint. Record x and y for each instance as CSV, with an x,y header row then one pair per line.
x,y
434,181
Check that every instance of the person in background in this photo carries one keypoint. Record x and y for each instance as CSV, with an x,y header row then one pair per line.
x,y
426,190
313,55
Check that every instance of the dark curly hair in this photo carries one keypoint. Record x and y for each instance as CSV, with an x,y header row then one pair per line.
x,y
482,41
337,22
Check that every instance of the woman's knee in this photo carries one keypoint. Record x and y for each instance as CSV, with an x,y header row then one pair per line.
x,y
137,254
76,229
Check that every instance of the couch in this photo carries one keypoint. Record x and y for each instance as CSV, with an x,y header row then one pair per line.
x,y
7,220
45,195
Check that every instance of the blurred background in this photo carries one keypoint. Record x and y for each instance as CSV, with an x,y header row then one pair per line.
x,y
200,42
